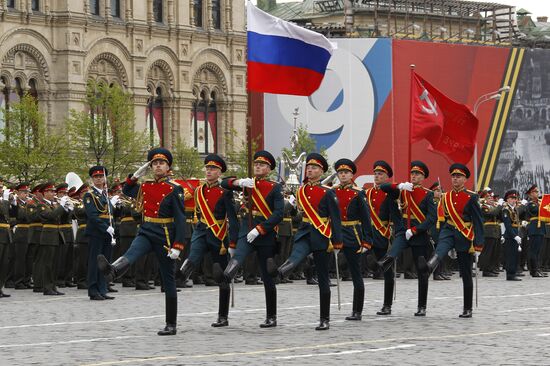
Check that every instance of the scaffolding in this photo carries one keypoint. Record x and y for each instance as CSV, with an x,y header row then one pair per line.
x,y
441,20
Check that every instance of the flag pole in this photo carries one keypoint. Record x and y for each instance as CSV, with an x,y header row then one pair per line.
x,y
412,66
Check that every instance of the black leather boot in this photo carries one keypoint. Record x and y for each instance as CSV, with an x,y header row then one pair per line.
x,y
385,263
229,273
223,307
421,311
171,317
112,271
271,308
422,294
324,322
428,267
468,301
388,298
285,268
372,263
358,300
187,269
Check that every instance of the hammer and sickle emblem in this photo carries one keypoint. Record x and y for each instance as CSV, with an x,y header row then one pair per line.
x,y
431,107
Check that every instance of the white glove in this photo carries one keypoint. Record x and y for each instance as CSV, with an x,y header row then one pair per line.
x,y
69,206
519,248
524,202
63,200
246,183
232,252
111,231
173,253
253,234
518,239
502,240
452,253
500,202
476,254
409,234
361,250
336,251
141,171
292,200
114,200
524,223
405,186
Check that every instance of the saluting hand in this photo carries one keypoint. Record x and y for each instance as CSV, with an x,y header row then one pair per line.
x,y
141,171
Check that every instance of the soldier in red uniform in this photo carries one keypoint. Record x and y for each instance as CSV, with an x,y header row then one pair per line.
x,y
320,232
461,228
418,203
258,227
383,213
217,227
162,231
356,229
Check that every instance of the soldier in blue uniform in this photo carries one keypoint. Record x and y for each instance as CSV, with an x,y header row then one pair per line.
x,y
320,232
99,231
418,203
462,229
217,227
162,231
257,231
356,229
384,212
512,240
535,230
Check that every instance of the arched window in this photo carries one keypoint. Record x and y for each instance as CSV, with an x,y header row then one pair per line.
x,y
33,91
4,98
155,118
216,14
157,10
115,8
204,124
94,7
197,12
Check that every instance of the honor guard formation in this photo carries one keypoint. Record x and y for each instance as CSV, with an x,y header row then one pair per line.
x,y
218,231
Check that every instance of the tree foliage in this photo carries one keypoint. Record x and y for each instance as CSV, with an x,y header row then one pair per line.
x,y
104,132
187,162
29,152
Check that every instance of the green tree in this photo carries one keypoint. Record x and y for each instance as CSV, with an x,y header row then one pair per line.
x,y
104,133
237,157
186,161
29,152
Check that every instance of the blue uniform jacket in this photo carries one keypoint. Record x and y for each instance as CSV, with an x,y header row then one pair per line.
x,y
97,213
273,196
534,228
510,218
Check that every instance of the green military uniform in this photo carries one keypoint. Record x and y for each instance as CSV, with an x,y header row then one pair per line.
x,y
21,237
50,239
490,256
35,231
81,246
66,248
5,240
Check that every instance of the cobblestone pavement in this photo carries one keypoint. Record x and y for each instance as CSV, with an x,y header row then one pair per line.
x,y
510,326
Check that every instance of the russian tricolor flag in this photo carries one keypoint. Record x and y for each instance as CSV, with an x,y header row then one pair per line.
x,y
284,58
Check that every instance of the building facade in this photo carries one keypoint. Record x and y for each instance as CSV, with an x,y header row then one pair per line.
x,y
182,60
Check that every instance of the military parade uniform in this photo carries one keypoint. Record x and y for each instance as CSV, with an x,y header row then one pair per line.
x,y
35,231
258,230
23,261
419,204
51,213
99,213
6,211
385,216
216,229
81,241
535,231
462,229
510,218
320,233
356,232
489,257
162,231
286,234
66,250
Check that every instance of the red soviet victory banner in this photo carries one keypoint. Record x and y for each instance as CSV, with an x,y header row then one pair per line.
x,y
449,127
